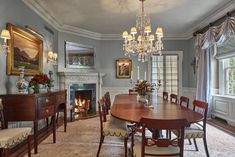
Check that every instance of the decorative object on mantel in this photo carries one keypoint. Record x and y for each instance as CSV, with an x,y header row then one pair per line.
x,y
22,84
40,83
25,50
143,45
5,35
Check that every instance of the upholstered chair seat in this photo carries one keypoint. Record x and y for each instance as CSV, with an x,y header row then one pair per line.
x,y
194,131
115,127
12,136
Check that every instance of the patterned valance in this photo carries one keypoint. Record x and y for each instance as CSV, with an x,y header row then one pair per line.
x,y
215,35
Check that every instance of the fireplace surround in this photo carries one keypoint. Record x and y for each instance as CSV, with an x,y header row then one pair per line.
x,y
77,81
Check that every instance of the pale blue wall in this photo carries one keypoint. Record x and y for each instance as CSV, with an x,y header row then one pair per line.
x,y
17,13
107,52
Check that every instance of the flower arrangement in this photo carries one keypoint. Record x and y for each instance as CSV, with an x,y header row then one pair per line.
x,y
143,87
41,79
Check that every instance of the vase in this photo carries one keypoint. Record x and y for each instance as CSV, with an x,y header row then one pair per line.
x,y
143,98
22,84
40,88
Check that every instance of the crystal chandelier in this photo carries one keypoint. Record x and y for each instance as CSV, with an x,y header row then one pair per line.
x,y
144,44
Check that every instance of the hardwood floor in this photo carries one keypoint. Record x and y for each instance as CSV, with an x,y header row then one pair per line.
x,y
222,125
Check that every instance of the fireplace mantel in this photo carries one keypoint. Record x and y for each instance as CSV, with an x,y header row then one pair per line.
x,y
66,79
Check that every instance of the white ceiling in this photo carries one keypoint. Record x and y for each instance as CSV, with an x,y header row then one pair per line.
x,y
109,18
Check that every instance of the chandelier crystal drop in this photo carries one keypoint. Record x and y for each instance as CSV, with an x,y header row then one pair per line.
x,y
144,44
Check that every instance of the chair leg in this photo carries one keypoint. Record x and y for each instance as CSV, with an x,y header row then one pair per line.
x,y
29,145
195,144
101,141
6,152
206,148
189,141
125,145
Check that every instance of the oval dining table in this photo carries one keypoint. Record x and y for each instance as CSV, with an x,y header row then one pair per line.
x,y
127,107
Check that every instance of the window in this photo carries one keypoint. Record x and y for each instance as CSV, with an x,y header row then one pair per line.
x,y
166,69
229,74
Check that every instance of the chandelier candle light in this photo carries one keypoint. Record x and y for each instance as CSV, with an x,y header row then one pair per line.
x,y
144,44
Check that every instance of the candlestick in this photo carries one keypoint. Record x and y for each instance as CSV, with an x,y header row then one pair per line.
x,y
138,72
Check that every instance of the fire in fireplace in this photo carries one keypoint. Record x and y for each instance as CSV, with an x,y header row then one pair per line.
x,y
83,100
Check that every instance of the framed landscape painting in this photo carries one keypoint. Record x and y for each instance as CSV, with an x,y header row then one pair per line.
x,y
25,50
123,68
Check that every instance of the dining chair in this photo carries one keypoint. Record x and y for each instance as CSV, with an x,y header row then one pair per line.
x,y
149,146
165,96
132,92
184,101
173,98
10,137
110,127
108,100
198,130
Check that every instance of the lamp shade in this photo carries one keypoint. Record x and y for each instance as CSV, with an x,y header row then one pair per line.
x,y
159,31
147,29
5,34
133,30
50,54
125,34
55,56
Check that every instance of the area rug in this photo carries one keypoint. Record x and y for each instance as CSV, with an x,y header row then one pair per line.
x,y
82,140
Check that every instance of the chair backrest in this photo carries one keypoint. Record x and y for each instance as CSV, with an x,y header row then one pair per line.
x,y
201,107
165,96
173,98
107,100
2,116
132,92
102,112
157,124
184,101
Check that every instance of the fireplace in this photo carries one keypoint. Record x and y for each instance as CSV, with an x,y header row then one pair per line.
x,y
83,100
75,82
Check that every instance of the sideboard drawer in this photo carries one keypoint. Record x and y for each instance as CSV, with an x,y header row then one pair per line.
x,y
46,101
46,111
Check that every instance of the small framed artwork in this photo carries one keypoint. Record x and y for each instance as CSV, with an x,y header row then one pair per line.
x,y
25,50
123,68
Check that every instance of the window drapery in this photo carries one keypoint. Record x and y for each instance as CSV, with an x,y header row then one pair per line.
x,y
214,36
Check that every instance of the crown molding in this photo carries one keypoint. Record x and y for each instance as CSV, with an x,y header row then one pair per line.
x,y
58,25
212,16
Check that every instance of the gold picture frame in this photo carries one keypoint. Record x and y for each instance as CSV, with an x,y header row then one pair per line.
x,y
25,50
123,68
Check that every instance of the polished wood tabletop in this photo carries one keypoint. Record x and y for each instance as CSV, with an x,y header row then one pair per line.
x,y
126,107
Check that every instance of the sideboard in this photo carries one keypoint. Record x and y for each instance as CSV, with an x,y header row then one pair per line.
x,y
34,107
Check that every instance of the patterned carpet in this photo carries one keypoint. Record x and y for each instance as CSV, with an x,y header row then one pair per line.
x,y
82,140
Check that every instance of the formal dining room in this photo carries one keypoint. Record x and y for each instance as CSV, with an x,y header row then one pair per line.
x,y
117,78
